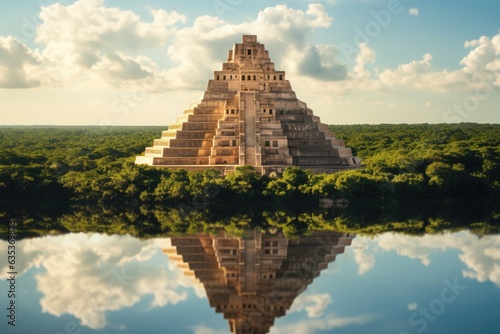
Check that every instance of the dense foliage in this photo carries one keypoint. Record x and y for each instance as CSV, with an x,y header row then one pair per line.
x,y
402,162
147,221
429,161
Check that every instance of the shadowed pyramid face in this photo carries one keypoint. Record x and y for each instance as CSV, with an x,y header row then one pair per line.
x,y
255,279
249,115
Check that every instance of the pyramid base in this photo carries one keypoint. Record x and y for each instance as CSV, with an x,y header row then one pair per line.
x,y
272,170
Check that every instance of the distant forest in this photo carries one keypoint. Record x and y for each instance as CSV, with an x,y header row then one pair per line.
x,y
402,163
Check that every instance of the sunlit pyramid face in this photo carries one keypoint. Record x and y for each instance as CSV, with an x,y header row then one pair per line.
x,y
249,115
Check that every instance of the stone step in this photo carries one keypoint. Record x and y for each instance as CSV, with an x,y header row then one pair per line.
x,y
162,142
228,125
318,152
183,244
272,133
180,161
231,118
206,110
337,142
199,126
281,86
194,258
176,151
191,142
225,151
305,134
276,160
207,275
154,151
323,126
345,151
313,143
195,134
327,169
315,161
226,141
300,127
269,125
168,133
145,160
227,133
185,152
223,160
287,118
203,118
175,126
217,85
218,95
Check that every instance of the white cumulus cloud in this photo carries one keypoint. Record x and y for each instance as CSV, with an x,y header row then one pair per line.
x,y
87,44
365,260
88,275
20,67
481,256
314,304
480,69
87,41
320,62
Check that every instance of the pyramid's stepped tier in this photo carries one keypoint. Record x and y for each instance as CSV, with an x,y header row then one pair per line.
x,y
196,257
276,269
249,115
180,152
188,134
183,142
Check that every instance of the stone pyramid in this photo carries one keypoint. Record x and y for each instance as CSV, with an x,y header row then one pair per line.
x,y
249,115
255,279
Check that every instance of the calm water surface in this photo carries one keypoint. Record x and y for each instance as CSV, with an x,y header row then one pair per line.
x,y
327,282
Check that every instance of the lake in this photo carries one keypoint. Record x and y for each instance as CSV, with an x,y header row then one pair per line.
x,y
256,280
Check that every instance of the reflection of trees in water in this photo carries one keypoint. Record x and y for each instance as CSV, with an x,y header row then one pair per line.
x,y
147,222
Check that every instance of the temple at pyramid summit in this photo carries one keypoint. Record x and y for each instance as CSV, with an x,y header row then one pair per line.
x,y
249,115
255,279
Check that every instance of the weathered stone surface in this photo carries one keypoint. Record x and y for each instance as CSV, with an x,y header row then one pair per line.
x,y
249,115
254,280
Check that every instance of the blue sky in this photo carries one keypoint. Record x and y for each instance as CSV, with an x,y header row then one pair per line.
x,y
123,62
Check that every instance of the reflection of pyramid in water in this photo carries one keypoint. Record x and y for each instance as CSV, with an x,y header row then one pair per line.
x,y
249,115
255,279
